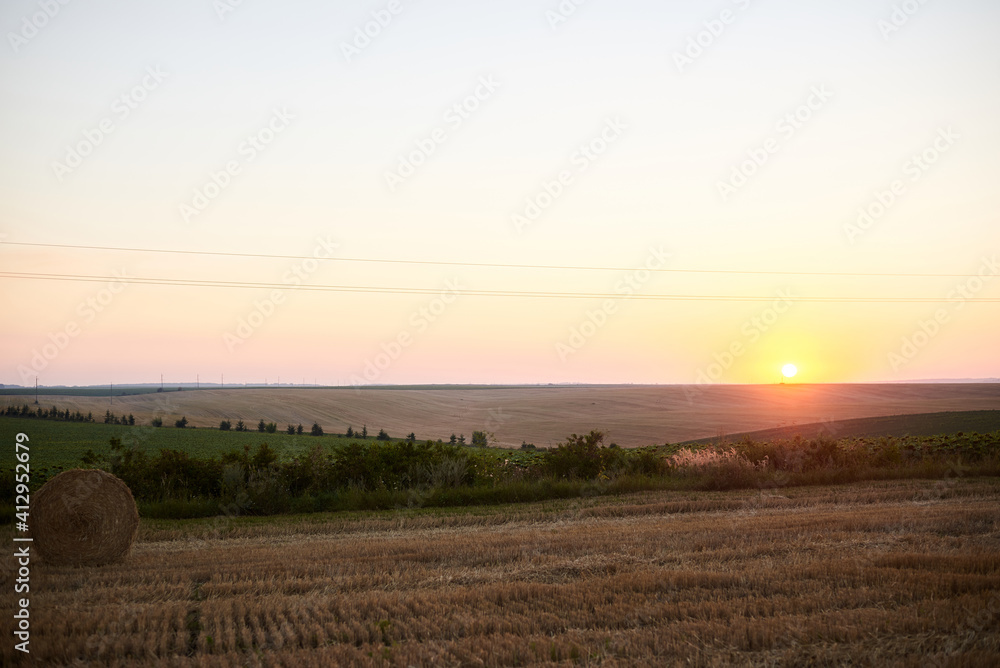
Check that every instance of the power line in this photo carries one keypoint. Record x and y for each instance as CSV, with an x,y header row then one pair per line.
x,y
83,278
487,264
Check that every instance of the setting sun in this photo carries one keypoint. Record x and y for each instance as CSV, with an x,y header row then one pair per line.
x,y
789,370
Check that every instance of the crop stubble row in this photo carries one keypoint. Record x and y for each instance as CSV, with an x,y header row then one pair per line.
x,y
890,572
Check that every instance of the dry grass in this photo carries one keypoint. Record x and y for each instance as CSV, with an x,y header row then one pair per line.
x,y
901,573
629,415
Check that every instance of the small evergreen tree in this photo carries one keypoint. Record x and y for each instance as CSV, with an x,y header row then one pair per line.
x,y
316,429
261,426
225,425
299,430
180,424
291,430
350,432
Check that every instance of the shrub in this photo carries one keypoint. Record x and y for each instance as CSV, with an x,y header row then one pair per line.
x,y
225,425
316,429
180,424
582,457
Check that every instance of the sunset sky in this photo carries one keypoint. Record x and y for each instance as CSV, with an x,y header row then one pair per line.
x,y
855,143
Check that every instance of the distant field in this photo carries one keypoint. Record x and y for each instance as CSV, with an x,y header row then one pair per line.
x,y
903,573
920,424
56,443
629,415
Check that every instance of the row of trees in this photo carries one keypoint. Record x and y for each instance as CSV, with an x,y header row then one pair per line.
x,y
480,439
270,428
53,413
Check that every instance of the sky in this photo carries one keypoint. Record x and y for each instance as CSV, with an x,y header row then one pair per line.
x,y
689,191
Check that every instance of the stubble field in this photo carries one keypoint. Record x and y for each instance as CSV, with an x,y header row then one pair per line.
x,y
629,415
891,573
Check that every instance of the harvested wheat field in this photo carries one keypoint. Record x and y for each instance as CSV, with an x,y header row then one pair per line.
x,y
630,415
898,573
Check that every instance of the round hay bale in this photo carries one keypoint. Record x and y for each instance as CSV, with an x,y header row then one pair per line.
x,y
84,517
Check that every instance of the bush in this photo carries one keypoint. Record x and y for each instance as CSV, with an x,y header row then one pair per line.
x,y
157,422
225,425
582,457
180,424
316,429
